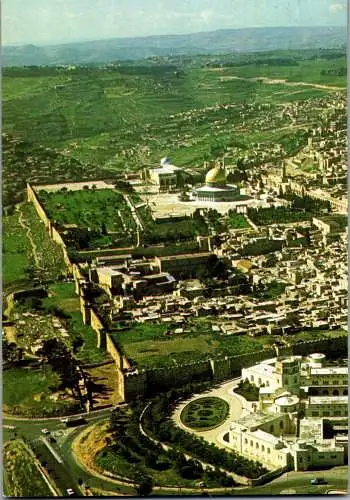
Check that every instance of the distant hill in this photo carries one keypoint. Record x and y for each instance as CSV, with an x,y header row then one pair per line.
x,y
213,42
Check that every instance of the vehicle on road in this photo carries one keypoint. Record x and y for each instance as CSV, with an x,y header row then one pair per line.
x,y
318,480
45,431
72,421
70,492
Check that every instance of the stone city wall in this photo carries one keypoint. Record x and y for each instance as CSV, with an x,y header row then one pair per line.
x,y
54,234
152,381
32,197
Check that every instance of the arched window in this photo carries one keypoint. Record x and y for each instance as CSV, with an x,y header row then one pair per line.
x,y
259,381
257,446
246,441
335,392
281,424
263,448
345,392
325,392
268,450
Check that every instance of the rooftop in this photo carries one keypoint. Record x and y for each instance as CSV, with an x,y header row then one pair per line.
x,y
327,400
338,370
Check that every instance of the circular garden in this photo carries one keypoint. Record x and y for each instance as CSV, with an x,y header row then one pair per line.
x,y
205,413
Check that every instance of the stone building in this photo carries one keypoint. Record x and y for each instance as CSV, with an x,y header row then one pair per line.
x,y
216,188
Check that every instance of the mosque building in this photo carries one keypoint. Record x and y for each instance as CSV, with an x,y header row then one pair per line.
x,y
216,188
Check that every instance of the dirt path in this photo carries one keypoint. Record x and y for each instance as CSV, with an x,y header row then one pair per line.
x,y
272,81
29,236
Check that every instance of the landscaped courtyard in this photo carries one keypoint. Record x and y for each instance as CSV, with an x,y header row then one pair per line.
x,y
205,413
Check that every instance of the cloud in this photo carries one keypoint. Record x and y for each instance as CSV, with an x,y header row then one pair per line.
x,y
335,8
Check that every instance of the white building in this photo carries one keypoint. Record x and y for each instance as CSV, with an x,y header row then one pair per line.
x,y
288,401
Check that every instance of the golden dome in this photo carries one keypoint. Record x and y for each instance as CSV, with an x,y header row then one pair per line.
x,y
216,176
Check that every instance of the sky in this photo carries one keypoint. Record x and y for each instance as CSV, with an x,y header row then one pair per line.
x,y
60,21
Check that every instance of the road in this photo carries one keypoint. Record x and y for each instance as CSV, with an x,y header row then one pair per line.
x,y
51,448
66,472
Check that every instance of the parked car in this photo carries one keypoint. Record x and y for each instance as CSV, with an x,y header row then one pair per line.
x,y
318,480
45,431
70,492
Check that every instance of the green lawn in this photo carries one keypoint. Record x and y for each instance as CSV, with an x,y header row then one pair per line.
x,y
149,345
237,221
85,208
205,413
62,295
17,251
22,478
27,392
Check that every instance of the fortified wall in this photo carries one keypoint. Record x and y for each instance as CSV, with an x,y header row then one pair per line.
x,y
54,234
134,383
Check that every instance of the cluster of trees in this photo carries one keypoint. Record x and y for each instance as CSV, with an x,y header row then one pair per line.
x,y
158,423
302,208
307,204
56,354
214,219
11,353
249,391
132,446
334,72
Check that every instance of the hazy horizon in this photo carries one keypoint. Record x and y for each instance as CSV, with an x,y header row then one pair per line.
x,y
73,21
42,44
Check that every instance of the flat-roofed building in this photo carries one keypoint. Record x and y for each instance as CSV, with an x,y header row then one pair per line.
x,y
185,264
327,406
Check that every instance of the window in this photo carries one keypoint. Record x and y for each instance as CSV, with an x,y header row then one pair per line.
x,y
325,392
321,457
333,456
336,413
315,382
325,382
268,450
257,446
246,441
251,443
281,424
326,413
336,392
345,392
263,448
314,413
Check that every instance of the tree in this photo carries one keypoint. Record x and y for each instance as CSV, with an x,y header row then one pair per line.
x,y
10,352
143,484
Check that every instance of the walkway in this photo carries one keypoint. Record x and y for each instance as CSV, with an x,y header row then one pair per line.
x,y
237,409
29,236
